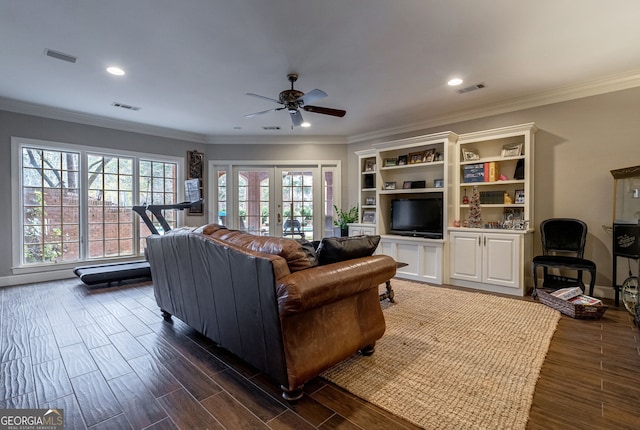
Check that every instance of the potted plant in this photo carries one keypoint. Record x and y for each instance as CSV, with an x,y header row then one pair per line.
x,y
344,218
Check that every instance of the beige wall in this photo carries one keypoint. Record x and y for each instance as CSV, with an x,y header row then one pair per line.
x,y
33,127
578,143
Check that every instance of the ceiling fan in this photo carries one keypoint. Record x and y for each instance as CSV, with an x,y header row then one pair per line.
x,y
293,100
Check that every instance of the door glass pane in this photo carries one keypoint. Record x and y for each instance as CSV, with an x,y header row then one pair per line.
x,y
253,202
329,201
297,204
222,198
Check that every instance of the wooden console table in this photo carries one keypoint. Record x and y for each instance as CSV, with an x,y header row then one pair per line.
x,y
389,293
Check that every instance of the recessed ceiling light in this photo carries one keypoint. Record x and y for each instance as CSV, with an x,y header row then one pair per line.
x,y
115,71
305,124
455,81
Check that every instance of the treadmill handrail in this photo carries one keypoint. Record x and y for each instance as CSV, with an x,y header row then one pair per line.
x,y
156,210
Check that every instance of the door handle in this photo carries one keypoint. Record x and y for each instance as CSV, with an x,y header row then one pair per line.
x,y
279,218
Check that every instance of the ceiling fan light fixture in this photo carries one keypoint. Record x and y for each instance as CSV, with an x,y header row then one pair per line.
x,y
294,101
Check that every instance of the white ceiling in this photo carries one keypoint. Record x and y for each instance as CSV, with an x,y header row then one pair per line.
x,y
189,63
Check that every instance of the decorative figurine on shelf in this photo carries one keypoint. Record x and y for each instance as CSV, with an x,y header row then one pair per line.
x,y
465,199
475,213
507,199
456,223
502,178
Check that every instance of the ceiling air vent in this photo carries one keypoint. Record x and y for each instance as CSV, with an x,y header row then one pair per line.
x,y
271,127
471,88
124,106
60,56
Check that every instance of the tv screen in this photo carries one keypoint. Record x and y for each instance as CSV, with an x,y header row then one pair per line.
x,y
417,217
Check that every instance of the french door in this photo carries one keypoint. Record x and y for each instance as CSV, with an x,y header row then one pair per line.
x,y
293,201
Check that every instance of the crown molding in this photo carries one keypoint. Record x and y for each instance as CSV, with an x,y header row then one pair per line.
x,y
96,120
572,92
274,140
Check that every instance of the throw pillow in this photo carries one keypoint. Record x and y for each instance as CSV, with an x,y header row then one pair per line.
x,y
310,251
334,249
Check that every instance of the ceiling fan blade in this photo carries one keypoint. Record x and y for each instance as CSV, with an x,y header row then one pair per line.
x,y
261,112
263,97
325,111
296,118
312,96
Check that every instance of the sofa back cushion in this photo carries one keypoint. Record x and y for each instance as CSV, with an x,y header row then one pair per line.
x,y
289,249
335,249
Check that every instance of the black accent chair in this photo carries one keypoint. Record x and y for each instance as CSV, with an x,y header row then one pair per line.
x,y
562,236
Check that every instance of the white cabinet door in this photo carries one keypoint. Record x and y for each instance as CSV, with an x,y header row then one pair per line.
x,y
501,259
465,256
489,258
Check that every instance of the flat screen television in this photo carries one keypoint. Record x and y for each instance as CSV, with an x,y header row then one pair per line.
x,y
417,217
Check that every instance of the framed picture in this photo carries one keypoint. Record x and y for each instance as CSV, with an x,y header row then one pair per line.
x,y
402,160
369,165
519,200
470,154
195,170
429,155
406,184
416,157
389,185
389,162
512,150
438,183
370,201
369,217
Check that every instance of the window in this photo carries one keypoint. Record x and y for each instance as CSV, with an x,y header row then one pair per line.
x,y
110,198
157,187
74,204
50,208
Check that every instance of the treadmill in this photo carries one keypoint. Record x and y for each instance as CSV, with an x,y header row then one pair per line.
x,y
119,272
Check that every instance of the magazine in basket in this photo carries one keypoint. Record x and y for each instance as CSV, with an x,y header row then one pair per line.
x,y
576,307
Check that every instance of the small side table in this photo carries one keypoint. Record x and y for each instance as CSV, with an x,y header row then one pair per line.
x,y
389,294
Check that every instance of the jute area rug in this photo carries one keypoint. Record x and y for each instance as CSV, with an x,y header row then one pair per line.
x,y
453,359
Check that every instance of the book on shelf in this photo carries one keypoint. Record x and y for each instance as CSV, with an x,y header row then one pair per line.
x,y
585,300
491,173
567,293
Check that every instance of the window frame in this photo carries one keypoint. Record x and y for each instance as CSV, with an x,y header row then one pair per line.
x,y
17,144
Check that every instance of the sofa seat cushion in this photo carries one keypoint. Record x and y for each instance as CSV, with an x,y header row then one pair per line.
x,y
289,249
335,249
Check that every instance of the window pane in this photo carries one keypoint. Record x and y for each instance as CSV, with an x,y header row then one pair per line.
x,y
126,167
48,205
32,177
157,186
110,197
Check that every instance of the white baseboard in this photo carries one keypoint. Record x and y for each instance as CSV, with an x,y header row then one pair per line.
x,y
30,278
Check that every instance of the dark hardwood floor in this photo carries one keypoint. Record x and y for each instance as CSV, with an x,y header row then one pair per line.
x,y
107,358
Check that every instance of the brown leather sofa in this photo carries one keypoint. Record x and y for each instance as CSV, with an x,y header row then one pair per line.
x,y
264,300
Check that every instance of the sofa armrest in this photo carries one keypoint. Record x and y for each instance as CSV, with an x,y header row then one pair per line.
x,y
311,288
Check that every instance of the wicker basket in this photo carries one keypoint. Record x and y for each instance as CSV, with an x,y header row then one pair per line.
x,y
587,312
